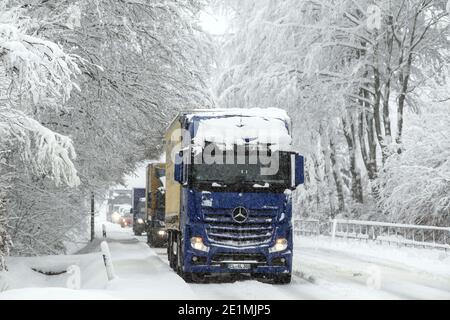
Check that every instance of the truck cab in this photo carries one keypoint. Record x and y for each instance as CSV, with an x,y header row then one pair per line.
x,y
233,175
138,210
155,205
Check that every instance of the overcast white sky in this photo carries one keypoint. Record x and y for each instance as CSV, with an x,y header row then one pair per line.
x,y
212,23
137,180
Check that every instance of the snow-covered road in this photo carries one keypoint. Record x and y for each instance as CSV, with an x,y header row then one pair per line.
x,y
322,270
355,270
250,289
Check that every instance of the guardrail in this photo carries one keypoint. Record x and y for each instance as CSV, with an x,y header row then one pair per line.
x,y
307,227
381,232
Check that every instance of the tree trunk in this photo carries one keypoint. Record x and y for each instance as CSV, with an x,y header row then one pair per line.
x,y
387,85
377,105
369,151
318,181
401,101
349,133
92,217
327,172
405,76
337,176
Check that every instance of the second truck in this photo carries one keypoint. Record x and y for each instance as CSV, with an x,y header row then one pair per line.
x,y
155,205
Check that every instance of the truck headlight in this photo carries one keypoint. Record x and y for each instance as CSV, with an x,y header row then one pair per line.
x,y
161,232
140,221
197,244
281,244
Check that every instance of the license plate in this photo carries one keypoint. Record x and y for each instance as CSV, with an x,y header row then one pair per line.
x,y
239,266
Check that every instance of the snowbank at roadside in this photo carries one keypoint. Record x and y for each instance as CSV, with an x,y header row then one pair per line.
x,y
141,274
433,262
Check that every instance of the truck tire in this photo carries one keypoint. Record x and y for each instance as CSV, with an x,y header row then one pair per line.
x,y
179,255
198,278
284,278
188,277
149,239
170,255
169,244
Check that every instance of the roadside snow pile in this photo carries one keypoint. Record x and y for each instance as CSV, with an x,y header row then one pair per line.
x,y
51,271
426,261
240,126
141,274
359,270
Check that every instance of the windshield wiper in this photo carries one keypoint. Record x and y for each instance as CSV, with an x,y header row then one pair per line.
x,y
218,185
261,185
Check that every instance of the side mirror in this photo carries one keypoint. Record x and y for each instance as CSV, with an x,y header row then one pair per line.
x,y
298,170
178,171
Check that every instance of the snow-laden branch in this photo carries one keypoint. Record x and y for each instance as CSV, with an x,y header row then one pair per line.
x,y
35,71
37,67
47,153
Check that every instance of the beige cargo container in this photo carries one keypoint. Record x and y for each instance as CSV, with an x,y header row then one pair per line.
x,y
173,189
154,181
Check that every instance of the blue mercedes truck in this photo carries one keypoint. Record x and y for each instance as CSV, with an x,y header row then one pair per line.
x,y
230,174
138,210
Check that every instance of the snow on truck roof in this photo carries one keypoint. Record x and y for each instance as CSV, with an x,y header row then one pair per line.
x,y
228,127
275,113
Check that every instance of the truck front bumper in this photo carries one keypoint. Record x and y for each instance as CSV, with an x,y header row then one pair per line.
x,y
235,260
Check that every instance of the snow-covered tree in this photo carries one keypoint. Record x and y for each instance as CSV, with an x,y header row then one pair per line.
x,y
140,62
5,245
34,74
416,183
346,71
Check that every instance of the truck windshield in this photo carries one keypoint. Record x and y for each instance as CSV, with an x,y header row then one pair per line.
x,y
254,176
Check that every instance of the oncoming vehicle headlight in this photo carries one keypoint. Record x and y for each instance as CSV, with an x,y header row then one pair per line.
x,y
197,244
162,232
115,217
141,221
281,244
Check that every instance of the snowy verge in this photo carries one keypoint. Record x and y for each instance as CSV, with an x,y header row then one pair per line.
x,y
432,261
358,270
141,274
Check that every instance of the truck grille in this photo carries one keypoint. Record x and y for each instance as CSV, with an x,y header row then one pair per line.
x,y
256,230
254,258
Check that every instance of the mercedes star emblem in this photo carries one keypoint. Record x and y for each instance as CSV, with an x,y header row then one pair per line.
x,y
240,215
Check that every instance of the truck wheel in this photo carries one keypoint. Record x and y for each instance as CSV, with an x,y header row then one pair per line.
x,y
169,247
179,256
188,277
150,240
282,278
170,255
198,278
